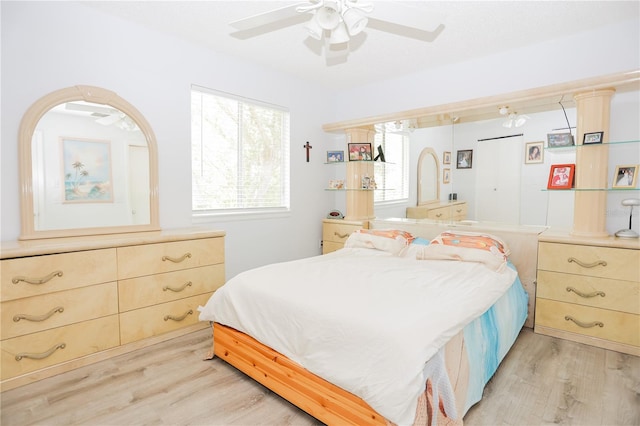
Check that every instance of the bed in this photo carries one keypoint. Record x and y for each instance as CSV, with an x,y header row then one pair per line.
x,y
392,329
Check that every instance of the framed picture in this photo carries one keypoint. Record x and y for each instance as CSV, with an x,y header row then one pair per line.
x,y
86,170
335,156
593,137
465,159
625,176
446,157
555,140
561,176
446,175
534,153
360,152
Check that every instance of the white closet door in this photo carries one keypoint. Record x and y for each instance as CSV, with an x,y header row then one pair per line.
x,y
497,164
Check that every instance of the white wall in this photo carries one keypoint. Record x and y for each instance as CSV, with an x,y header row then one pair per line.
x,y
47,46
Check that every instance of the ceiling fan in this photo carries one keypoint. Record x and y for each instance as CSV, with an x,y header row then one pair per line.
x,y
513,118
105,116
336,22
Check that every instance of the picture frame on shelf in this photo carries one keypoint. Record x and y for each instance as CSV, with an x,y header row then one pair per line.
x,y
534,153
592,138
446,157
464,159
561,176
446,176
625,176
360,152
335,156
556,140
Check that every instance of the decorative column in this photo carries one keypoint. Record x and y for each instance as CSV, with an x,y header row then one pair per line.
x,y
359,202
590,214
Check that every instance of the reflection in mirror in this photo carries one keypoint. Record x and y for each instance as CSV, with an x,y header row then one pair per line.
x,y
428,177
88,166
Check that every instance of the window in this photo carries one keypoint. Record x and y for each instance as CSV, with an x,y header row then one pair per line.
x,y
239,154
394,177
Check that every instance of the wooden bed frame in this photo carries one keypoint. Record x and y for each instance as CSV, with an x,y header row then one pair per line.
x,y
321,399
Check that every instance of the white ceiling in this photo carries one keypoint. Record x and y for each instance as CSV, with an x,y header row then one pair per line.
x,y
472,29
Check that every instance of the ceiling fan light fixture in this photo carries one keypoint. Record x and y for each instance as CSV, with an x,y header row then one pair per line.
x,y
314,29
354,21
520,121
339,34
503,110
327,16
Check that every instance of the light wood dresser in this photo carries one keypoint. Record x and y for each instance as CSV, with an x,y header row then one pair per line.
x,y
69,302
454,210
336,231
588,291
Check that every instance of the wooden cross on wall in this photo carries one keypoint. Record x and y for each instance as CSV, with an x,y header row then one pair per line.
x,y
307,147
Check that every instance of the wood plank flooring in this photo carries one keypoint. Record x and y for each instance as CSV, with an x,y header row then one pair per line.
x,y
543,380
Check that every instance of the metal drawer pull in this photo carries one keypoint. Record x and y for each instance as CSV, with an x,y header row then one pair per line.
x,y
438,214
586,295
176,259
584,324
42,355
587,265
37,281
177,290
340,235
38,318
180,318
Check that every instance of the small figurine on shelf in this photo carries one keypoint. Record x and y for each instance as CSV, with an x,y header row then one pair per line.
x,y
366,182
372,184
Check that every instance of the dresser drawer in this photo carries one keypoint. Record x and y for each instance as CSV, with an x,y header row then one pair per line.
x,y
338,232
616,326
38,313
149,259
150,290
605,262
24,354
603,293
158,319
36,275
458,211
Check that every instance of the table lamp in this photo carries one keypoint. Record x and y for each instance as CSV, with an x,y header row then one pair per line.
x,y
629,233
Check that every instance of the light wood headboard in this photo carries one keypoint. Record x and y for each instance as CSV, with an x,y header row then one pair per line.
x,y
522,240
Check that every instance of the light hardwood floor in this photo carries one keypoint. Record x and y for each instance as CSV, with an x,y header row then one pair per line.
x,y
542,380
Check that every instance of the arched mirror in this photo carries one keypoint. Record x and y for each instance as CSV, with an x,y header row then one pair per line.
x,y
88,166
428,177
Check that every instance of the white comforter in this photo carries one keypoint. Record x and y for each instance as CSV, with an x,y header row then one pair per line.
x,y
362,319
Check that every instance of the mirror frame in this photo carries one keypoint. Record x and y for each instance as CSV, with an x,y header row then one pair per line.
x,y
423,154
27,128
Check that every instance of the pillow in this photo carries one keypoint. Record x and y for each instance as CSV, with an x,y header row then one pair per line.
x,y
474,240
391,241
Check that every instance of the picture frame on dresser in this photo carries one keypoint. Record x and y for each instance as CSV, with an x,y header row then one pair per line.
x,y
561,176
625,176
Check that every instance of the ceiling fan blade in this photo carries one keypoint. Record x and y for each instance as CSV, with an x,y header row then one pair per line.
x,y
406,16
404,31
109,119
267,18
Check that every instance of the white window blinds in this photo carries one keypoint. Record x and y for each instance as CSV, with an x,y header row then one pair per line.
x,y
240,154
